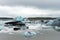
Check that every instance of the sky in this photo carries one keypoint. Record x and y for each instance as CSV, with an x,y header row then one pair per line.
x,y
30,8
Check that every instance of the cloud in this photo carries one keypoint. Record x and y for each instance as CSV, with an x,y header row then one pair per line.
x,y
44,4
24,11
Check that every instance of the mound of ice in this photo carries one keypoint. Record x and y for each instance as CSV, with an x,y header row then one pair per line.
x,y
29,34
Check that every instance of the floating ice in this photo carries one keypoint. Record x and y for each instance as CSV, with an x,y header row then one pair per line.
x,y
1,27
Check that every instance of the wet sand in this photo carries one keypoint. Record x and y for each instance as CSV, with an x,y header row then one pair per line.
x,y
42,35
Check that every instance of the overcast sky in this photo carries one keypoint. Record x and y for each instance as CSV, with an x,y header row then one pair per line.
x,y
30,8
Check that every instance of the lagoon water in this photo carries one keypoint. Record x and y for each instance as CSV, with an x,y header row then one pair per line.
x,y
41,34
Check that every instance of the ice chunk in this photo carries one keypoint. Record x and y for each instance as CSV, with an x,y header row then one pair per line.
x,y
29,34
1,27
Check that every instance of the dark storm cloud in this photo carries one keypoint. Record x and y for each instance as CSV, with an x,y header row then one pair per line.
x,y
45,4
